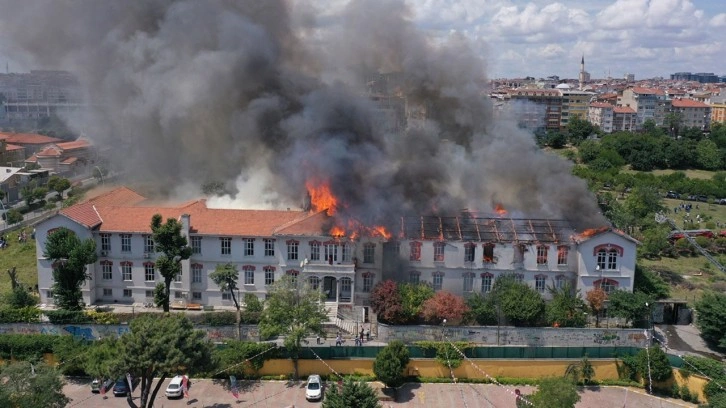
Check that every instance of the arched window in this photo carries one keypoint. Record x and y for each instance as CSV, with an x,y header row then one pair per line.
x,y
607,285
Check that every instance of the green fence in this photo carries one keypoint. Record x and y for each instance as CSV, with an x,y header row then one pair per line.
x,y
509,352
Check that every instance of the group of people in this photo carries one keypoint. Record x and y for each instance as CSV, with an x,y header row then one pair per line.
x,y
364,333
22,237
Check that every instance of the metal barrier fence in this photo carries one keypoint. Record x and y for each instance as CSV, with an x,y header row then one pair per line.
x,y
509,352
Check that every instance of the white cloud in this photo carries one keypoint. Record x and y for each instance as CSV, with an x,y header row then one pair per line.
x,y
718,20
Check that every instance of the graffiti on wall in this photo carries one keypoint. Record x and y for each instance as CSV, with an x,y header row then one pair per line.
x,y
97,331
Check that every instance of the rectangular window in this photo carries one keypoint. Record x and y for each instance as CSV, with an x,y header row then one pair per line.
x,y
178,277
292,250
331,253
269,247
414,277
468,282
439,251
225,245
367,282
149,272
196,245
541,255
488,255
369,253
149,244
105,242
415,254
197,295
107,292
226,295
249,246
178,295
438,281
469,251
269,276
486,283
346,252
196,273
128,293
125,243
126,271
49,294
249,276
150,294
562,255
107,274
315,251
612,260
539,283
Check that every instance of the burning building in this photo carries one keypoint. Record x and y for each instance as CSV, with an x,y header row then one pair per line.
x,y
463,254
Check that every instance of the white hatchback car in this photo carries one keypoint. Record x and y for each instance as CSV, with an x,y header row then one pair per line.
x,y
174,389
314,389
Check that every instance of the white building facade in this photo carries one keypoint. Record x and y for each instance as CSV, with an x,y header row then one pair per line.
x,y
463,255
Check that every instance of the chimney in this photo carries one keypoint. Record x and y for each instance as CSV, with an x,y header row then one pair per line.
x,y
186,224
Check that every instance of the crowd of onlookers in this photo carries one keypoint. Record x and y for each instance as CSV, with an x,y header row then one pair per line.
x,y
22,237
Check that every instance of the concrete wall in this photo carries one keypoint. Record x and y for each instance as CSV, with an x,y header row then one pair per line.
x,y
98,331
516,336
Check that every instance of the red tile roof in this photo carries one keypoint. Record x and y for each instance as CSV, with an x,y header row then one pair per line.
x,y
9,147
623,109
76,144
601,105
688,103
28,138
643,91
86,213
50,151
69,160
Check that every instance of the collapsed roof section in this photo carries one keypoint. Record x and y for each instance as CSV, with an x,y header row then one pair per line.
x,y
479,229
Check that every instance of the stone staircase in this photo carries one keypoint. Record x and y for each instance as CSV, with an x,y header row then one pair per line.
x,y
335,323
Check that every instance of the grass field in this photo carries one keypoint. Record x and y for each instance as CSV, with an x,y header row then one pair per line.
x,y
694,174
19,255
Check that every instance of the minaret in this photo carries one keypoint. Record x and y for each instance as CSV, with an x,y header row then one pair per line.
x,y
582,72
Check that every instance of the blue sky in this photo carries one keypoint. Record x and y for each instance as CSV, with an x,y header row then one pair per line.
x,y
540,38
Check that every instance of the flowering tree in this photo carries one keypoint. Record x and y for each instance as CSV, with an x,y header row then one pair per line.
x,y
386,301
444,305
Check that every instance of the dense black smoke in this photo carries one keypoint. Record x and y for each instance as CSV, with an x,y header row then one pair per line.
x,y
237,91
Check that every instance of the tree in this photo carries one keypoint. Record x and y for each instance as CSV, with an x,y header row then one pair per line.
x,y
19,297
27,385
386,301
632,306
482,310
59,185
101,358
413,297
655,240
31,193
159,346
566,309
13,216
650,283
579,129
390,364
708,155
352,394
652,363
553,392
444,305
294,310
172,245
225,276
711,312
69,257
518,302
596,300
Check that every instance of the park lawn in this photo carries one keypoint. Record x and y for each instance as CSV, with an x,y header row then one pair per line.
x,y
694,174
22,256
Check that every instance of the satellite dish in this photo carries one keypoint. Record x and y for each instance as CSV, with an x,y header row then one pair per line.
x,y
304,262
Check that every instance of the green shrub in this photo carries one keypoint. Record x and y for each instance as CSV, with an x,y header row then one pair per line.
x,y
234,355
685,394
26,346
21,315
103,317
68,316
250,317
446,354
225,318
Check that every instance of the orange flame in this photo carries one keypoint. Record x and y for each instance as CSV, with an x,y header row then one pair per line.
x,y
337,231
500,210
321,198
382,231
592,231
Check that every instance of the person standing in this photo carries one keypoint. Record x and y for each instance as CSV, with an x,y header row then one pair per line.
x,y
361,335
338,340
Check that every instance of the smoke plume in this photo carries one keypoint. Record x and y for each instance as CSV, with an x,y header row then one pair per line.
x,y
237,91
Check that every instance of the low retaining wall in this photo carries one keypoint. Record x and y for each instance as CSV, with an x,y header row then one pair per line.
x,y
98,331
516,336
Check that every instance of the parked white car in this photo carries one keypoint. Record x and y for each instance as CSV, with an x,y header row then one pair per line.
x,y
314,389
174,389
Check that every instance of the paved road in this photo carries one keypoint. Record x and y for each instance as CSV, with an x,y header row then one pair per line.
x,y
278,394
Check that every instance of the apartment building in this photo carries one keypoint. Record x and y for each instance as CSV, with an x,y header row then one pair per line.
x,y
624,119
463,254
644,101
600,114
692,113
575,103
718,109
